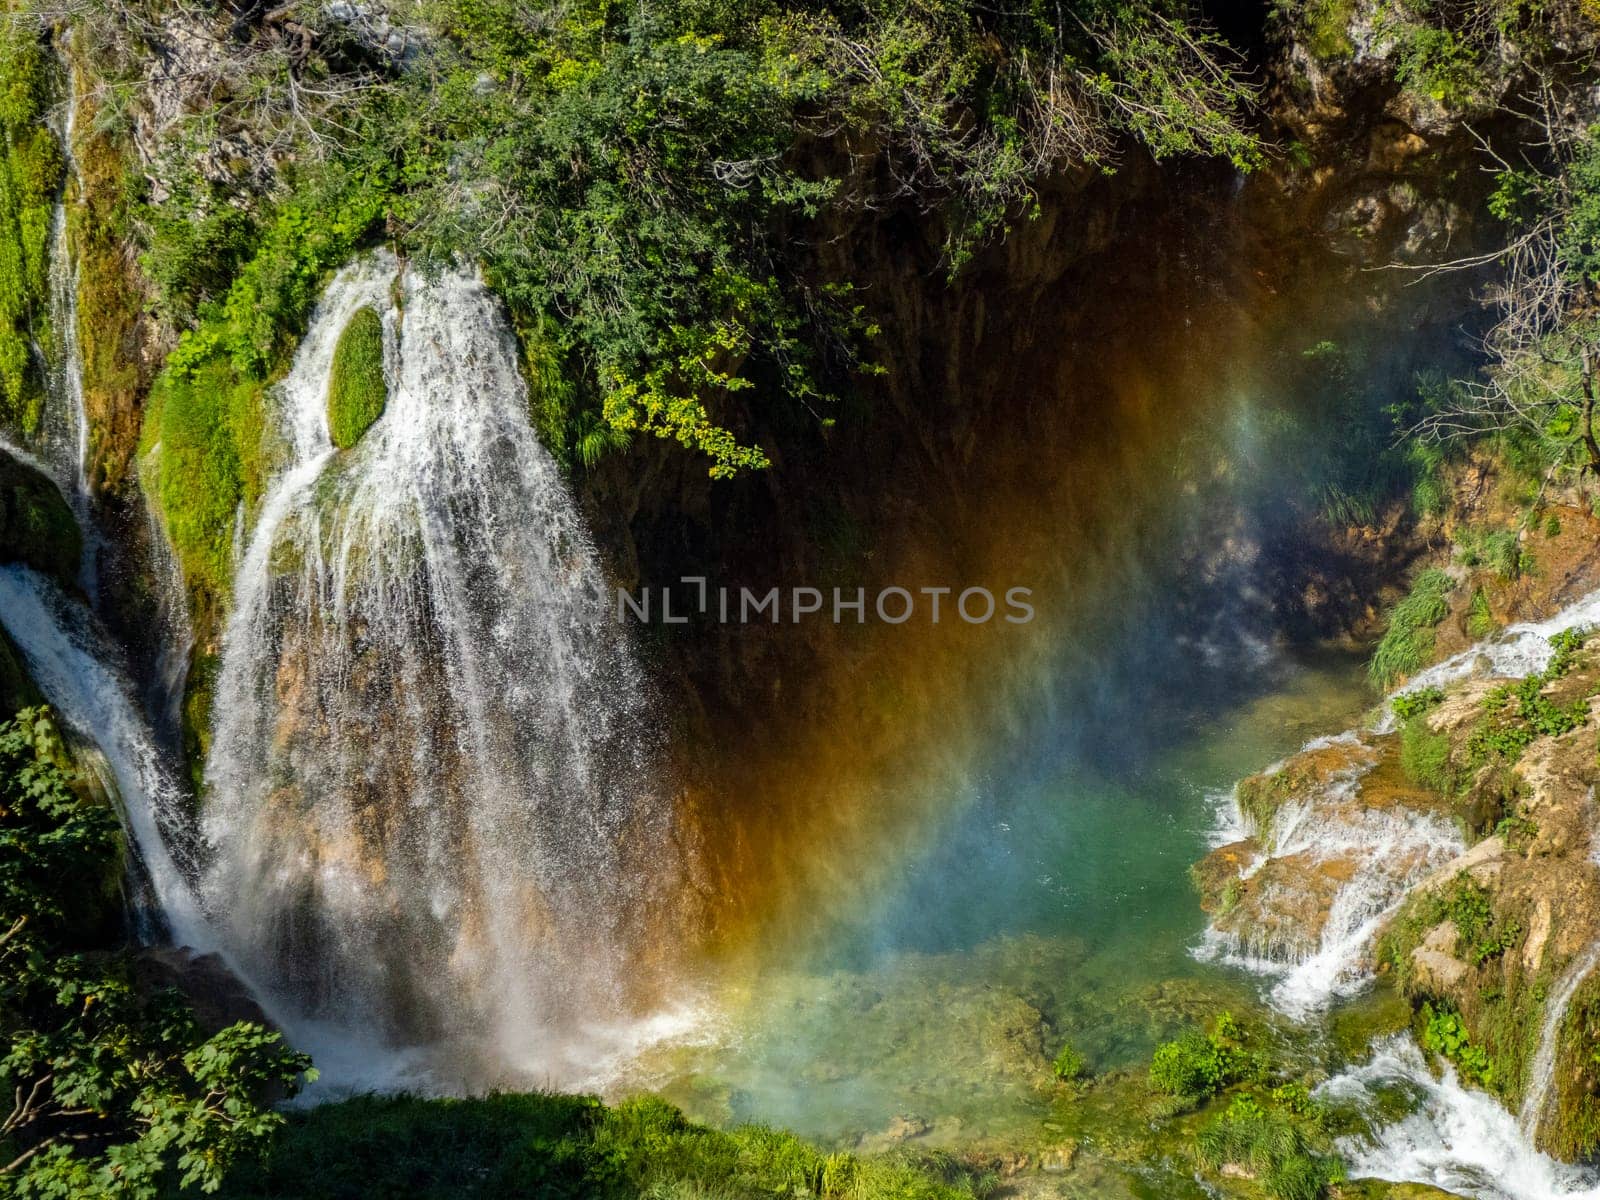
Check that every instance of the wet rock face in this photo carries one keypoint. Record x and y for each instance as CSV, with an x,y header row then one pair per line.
x,y
36,524
218,997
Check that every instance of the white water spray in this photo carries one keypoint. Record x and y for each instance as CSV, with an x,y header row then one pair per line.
x,y
429,796
1456,1138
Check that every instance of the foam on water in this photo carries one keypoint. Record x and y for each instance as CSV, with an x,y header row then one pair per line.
x,y
1456,1138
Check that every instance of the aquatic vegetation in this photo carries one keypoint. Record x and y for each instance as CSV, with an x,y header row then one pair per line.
x,y
1068,1064
1198,1065
1407,643
356,389
1444,1034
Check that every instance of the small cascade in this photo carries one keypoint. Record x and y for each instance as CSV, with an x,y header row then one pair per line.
x,y
1328,853
1516,652
429,794
1366,858
1455,1138
1542,1071
61,449
1541,1074
74,665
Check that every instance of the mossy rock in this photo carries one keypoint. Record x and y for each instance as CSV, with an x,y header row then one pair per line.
x,y
356,388
36,526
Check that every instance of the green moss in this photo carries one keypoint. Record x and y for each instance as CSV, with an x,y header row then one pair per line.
x,y
207,424
1426,757
110,301
36,526
1261,796
30,176
1327,28
1408,643
356,388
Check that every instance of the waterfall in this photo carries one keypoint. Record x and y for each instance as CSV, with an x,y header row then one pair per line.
x,y
1374,855
1455,1138
76,667
429,800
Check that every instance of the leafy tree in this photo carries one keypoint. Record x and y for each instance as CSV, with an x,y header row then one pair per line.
x,y
114,1092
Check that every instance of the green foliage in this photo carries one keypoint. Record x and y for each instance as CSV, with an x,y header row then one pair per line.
x,y
1284,1150
1499,550
1514,714
564,1147
1438,63
1407,643
30,177
1444,1033
1413,704
356,388
1426,759
1480,620
644,169
115,1091
36,524
204,426
1198,1065
1068,1064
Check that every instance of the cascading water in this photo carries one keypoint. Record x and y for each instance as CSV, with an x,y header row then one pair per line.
x,y
1375,856
74,666
1542,1071
428,796
1457,1139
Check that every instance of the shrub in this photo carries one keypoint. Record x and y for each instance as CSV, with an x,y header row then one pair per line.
x,y
356,388
1407,644
114,1090
1199,1065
